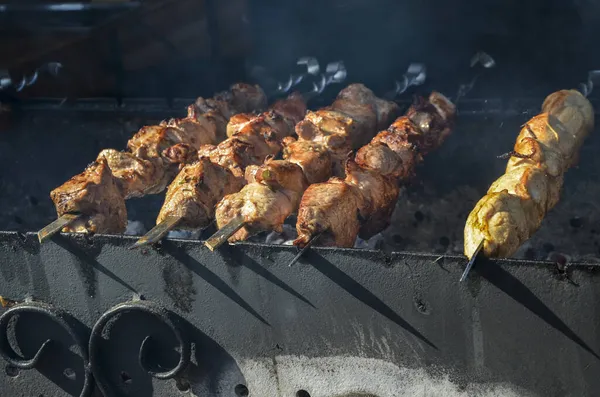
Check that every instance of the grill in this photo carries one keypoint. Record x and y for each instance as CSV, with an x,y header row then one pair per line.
x,y
86,316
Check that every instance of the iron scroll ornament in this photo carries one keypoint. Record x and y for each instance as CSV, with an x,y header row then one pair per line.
x,y
145,307
58,316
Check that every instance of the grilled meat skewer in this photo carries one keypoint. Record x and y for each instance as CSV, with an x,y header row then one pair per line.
x,y
277,186
517,202
339,210
150,162
192,196
251,145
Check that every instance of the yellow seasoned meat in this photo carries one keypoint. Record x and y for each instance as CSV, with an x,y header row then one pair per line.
x,y
516,204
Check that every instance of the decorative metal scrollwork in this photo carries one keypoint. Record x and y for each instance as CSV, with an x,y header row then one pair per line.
x,y
145,307
58,316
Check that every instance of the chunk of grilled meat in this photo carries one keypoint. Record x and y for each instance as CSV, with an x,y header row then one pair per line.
x,y
379,195
94,194
195,191
256,140
396,151
517,202
330,208
348,123
325,136
314,158
265,204
139,175
249,146
282,117
373,177
152,156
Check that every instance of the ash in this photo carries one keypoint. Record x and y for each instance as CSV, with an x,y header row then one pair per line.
x,y
135,228
185,234
289,235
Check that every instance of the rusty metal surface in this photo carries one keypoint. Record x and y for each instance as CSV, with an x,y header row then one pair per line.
x,y
522,324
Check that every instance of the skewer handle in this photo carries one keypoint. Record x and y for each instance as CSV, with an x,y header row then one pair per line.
x,y
158,232
56,226
223,234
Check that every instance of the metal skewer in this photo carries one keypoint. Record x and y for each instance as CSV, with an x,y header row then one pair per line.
x,y
312,240
157,232
223,234
471,261
56,226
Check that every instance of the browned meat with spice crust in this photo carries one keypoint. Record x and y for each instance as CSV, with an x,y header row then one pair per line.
x,y
266,203
94,194
373,178
331,208
154,153
194,193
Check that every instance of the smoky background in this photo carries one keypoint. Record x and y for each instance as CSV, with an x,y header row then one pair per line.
x,y
538,45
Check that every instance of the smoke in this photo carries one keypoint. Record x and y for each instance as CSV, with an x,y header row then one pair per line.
x,y
379,38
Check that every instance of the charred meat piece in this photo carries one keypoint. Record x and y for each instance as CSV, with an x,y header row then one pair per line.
x,y
154,153
325,138
139,172
237,122
359,94
331,208
517,202
379,194
195,191
314,158
95,194
266,203
239,98
146,175
347,124
282,117
373,177
257,139
240,151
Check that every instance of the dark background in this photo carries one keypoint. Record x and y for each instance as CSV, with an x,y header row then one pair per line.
x,y
186,48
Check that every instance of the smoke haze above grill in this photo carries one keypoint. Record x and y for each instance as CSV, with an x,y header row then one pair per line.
x,y
539,45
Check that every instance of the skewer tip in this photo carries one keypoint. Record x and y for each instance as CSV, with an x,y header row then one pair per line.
x,y
312,240
140,243
471,262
